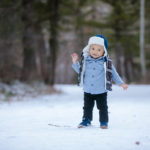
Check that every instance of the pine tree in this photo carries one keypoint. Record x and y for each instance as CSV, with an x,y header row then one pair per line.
x,y
123,22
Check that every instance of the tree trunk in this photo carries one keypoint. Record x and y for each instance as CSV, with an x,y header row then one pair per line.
x,y
43,53
129,68
30,68
10,40
120,61
53,41
142,27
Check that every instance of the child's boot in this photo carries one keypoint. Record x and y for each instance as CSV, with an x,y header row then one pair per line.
x,y
104,125
85,123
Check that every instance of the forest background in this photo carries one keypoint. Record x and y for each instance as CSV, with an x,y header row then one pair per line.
x,y
37,38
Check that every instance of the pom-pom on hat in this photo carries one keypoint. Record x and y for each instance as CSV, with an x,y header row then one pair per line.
x,y
99,40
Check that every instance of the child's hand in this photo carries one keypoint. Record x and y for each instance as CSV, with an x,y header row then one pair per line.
x,y
74,57
124,86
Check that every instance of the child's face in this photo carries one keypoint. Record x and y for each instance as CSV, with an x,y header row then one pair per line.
x,y
96,51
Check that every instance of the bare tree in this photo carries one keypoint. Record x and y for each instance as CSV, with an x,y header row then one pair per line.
x,y
142,55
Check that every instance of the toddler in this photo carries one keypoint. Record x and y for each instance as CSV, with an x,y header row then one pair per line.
x,y
95,73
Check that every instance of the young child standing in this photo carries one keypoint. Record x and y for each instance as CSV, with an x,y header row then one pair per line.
x,y
96,73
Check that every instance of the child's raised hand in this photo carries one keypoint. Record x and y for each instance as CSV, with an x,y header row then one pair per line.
x,y
124,86
74,57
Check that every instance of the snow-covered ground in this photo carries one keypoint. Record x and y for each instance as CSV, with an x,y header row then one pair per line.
x,y
24,123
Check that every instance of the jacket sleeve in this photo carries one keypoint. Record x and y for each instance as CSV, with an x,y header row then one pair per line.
x,y
76,66
115,76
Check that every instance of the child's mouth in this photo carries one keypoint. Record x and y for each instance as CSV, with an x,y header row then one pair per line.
x,y
95,55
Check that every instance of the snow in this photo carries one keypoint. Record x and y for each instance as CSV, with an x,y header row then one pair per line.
x,y
24,123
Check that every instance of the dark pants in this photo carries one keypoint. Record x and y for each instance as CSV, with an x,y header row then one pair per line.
x,y
101,102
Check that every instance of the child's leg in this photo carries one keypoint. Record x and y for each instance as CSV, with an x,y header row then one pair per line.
x,y
101,101
88,106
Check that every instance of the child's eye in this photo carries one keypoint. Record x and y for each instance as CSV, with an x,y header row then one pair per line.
x,y
92,48
99,49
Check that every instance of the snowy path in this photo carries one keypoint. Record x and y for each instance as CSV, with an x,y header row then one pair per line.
x,y
24,125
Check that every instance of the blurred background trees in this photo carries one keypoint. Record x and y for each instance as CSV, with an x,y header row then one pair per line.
x,y
37,37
